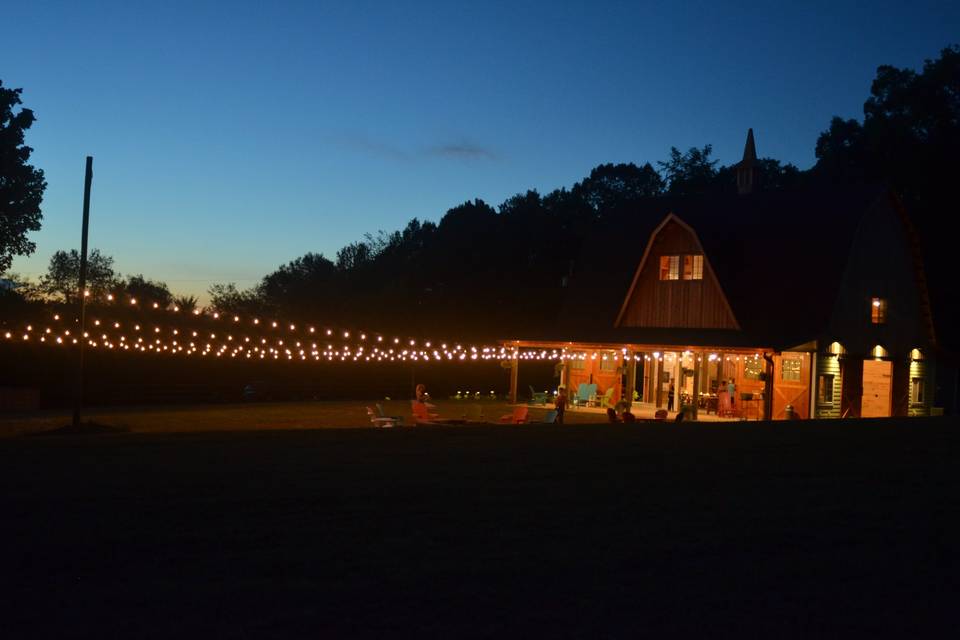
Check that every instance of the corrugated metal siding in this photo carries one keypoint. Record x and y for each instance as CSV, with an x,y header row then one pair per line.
x,y
829,365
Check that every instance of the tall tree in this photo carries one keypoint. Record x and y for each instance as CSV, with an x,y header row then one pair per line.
x,y
146,291
226,298
62,280
185,302
689,173
21,184
610,185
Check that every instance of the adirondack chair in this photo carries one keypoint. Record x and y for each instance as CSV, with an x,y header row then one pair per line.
x,y
519,416
380,421
421,413
585,393
607,399
538,397
397,420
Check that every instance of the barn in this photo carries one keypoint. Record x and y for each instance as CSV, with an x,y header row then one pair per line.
x,y
757,304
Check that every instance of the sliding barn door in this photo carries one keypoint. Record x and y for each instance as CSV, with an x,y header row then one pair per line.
x,y
877,389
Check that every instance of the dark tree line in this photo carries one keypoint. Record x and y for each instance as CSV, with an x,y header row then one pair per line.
x,y
480,266
483,267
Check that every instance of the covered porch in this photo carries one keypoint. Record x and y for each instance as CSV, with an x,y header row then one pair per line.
x,y
694,379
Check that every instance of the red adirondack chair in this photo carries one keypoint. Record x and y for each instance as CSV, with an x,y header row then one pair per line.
x,y
519,416
421,412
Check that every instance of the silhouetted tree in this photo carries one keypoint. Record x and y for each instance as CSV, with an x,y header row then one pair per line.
x,y
226,298
144,291
689,173
611,185
21,184
62,280
841,152
909,135
300,286
185,303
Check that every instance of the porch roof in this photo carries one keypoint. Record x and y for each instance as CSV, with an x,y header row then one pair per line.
x,y
640,339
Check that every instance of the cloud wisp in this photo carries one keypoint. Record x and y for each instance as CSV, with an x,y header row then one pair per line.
x,y
460,150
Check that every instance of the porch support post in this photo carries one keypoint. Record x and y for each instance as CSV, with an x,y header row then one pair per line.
x,y
814,380
657,385
697,361
631,378
514,375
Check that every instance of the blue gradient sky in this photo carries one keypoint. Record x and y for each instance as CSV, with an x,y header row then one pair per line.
x,y
229,138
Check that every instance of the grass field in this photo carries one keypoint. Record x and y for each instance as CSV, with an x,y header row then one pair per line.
x,y
263,416
788,530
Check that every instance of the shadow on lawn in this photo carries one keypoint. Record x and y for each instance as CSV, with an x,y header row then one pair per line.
x,y
84,428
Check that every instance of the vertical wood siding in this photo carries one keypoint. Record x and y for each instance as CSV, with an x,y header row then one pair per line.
x,y
676,303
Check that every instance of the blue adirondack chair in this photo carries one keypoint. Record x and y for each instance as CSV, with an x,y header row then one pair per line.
x,y
584,393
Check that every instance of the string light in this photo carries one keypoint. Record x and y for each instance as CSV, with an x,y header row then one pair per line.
x,y
260,347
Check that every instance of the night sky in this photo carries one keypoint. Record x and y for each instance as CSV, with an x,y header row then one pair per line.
x,y
229,138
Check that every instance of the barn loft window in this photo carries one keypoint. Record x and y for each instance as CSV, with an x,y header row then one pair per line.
x,y
688,267
693,267
669,267
878,310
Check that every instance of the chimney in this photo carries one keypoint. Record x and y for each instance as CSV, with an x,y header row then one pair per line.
x,y
747,170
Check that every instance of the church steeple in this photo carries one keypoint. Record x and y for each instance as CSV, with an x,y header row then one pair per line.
x,y
747,170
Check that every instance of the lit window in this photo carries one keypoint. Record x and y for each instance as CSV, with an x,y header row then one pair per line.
x,y
610,364
693,267
825,389
791,369
916,390
878,311
669,267
752,368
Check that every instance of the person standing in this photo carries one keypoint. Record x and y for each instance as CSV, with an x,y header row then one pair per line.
x,y
731,389
560,404
670,395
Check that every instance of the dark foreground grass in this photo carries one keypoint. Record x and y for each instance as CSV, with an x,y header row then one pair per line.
x,y
754,530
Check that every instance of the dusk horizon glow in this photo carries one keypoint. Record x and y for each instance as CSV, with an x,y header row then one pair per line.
x,y
330,122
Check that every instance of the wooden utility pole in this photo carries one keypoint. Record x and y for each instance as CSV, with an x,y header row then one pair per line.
x,y
78,389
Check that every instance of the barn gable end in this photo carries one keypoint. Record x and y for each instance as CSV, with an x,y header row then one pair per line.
x,y
676,298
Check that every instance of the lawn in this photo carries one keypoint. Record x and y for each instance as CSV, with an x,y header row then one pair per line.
x,y
264,416
843,528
